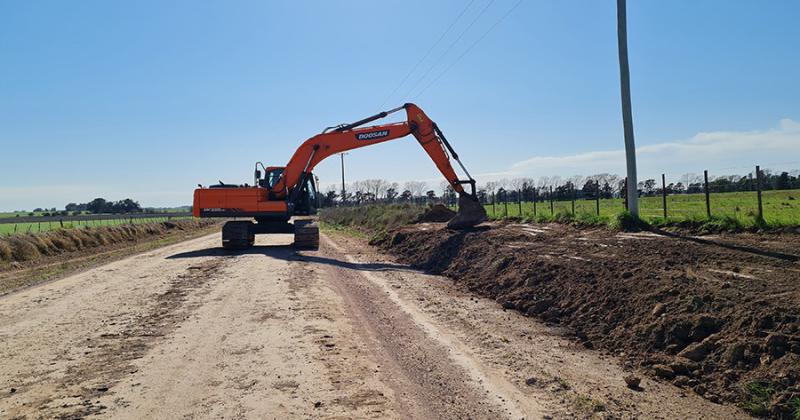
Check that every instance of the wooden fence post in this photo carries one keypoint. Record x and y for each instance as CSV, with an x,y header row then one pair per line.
x,y
505,203
519,201
597,197
758,193
534,201
551,200
493,212
625,194
708,194
573,199
664,193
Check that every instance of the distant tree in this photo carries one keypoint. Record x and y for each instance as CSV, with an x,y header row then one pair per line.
x,y
38,209
98,205
406,195
71,207
607,191
784,183
417,188
482,196
329,198
391,193
431,195
590,188
649,186
448,193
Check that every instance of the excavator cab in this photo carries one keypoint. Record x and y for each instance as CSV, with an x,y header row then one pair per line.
x,y
307,201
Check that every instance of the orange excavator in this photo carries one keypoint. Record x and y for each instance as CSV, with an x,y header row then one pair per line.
x,y
290,191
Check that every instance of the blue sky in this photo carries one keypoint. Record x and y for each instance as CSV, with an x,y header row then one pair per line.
x,y
147,99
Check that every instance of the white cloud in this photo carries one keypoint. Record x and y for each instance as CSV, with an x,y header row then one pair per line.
x,y
723,152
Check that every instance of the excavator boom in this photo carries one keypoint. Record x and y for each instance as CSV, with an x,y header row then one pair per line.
x,y
353,136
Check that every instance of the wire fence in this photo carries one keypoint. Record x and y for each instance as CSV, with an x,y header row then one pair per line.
x,y
759,197
30,224
746,201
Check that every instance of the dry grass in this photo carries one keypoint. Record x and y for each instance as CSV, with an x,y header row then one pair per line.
x,y
32,246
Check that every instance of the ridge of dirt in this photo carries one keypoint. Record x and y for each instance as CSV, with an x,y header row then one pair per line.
x,y
717,314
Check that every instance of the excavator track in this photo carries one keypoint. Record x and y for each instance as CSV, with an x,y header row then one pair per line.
x,y
306,235
238,235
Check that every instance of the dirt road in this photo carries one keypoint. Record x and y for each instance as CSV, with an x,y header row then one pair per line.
x,y
188,331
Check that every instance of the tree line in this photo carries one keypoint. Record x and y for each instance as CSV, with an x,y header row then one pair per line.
x,y
101,205
604,185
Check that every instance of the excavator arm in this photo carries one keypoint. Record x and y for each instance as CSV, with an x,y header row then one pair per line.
x,y
352,136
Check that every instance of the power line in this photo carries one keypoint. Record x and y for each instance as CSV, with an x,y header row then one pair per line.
x,y
468,49
450,47
405,79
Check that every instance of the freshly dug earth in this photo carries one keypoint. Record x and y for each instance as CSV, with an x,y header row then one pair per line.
x,y
36,246
437,213
719,315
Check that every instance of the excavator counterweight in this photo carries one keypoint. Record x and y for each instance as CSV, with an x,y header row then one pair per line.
x,y
289,192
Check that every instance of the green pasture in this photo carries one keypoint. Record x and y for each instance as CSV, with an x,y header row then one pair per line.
x,y
781,208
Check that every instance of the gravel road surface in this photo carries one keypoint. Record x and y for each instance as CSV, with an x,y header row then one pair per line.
x,y
190,331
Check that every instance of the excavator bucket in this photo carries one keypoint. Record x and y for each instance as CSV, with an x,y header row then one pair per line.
x,y
470,212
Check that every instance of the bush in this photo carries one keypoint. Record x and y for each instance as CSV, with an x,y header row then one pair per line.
x,y
627,222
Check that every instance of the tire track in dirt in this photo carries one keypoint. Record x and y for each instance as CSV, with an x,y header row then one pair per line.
x,y
109,355
433,377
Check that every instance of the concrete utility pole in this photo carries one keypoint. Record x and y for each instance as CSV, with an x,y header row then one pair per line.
x,y
343,192
627,114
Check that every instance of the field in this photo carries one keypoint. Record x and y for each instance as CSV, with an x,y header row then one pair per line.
x,y
781,208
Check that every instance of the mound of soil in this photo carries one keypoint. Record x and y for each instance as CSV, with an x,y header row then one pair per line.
x,y
718,315
437,213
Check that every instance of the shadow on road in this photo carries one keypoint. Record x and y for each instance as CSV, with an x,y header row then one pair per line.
x,y
288,253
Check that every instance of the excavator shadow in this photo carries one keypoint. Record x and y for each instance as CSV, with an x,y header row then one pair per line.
x,y
288,253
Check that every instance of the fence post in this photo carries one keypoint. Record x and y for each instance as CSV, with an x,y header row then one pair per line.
x,y
664,194
551,200
597,197
625,194
758,193
708,194
519,201
493,211
572,187
61,221
534,201
505,203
